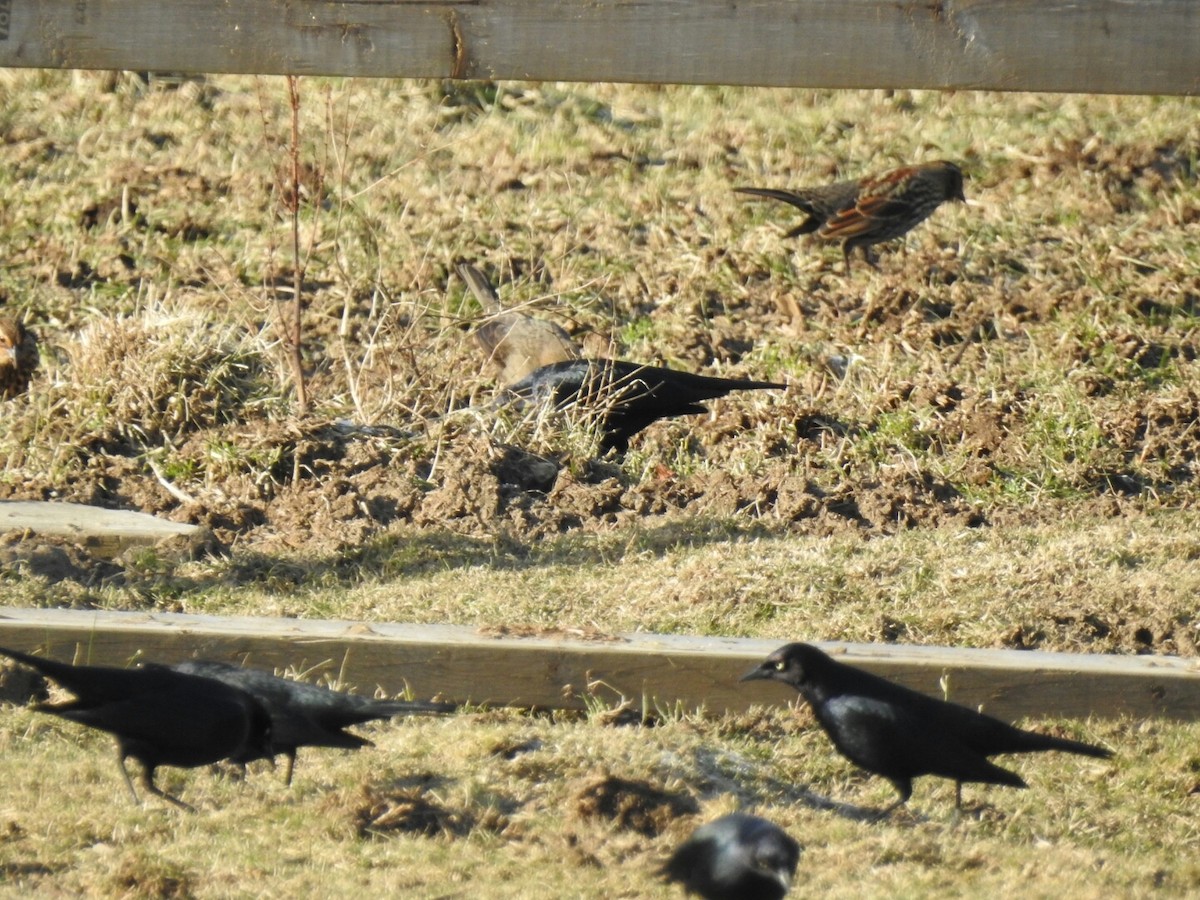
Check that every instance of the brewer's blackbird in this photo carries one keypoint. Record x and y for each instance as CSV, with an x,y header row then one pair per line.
x,y
515,343
625,397
306,715
159,717
899,733
735,857
873,209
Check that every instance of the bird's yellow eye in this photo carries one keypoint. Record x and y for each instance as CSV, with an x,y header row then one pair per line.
x,y
780,665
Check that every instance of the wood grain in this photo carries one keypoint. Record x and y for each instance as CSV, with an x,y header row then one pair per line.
x,y
1102,46
661,672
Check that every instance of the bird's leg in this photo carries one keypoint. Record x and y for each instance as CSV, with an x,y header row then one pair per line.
x,y
847,249
149,785
291,764
904,787
958,795
125,775
888,810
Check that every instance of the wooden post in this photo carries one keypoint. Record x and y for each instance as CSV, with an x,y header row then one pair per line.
x,y
556,669
1101,46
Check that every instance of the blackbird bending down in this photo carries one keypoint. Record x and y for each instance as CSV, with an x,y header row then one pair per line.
x,y
625,397
305,715
159,717
735,857
899,733
873,209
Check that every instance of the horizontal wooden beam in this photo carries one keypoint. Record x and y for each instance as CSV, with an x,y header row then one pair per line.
x,y
555,670
105,532
1101,46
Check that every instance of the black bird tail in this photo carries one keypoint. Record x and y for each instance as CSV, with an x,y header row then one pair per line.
x,y
391,708
1033,742
809,225
739,384
64,673
693,388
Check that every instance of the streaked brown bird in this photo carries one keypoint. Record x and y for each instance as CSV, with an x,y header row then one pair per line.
x,y
515,343
18,357
874,209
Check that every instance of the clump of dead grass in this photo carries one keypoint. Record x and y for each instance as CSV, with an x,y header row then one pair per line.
x,y
134,382
407,809
387,811
158,377
133,385
140,876
630,805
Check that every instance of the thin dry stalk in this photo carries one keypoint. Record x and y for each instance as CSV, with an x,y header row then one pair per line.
x,y
292,317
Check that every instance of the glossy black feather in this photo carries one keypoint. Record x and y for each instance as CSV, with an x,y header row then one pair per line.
x,y
626,397
900,733
306,715
735,857
159,717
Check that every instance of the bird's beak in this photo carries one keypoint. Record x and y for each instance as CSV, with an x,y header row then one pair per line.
x,y
784,877
759,673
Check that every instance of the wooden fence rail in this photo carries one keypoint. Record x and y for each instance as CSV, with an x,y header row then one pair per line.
x,y
555,670
1099,46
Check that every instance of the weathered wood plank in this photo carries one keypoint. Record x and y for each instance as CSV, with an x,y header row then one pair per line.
x,y
554,670
1102,46
104,531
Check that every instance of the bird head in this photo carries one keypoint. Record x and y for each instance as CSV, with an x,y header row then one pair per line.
x,y
776,857
952,181
791,664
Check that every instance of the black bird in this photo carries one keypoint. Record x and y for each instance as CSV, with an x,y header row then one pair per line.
x,y
899,733
625,397
305,715
159,717
873,209
735,857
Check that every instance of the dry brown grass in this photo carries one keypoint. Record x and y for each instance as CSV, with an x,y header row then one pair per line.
x,y
991,441
503,804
